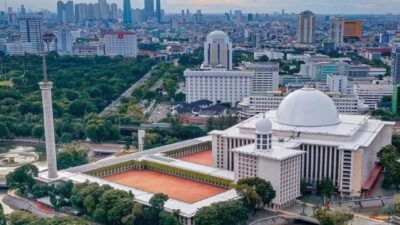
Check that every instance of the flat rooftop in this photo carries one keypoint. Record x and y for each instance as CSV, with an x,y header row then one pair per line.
x,y
202,158
177,188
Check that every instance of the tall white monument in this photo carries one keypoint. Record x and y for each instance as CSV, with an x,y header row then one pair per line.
x,y
141,136
46,87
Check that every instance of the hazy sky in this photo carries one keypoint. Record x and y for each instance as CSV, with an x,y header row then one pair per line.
x,y
266,6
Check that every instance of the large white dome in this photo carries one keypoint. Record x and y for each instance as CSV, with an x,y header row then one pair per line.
x,y
217,34
307,107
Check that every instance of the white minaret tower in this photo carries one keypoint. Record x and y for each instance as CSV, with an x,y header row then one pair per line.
x,y
263,135
46,87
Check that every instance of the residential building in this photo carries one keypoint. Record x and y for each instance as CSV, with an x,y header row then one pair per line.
x,y
337,31
148,9
306,27
121,43
353,29
127,19
64,41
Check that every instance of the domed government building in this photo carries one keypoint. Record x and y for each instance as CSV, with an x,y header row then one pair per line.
x,y
306,138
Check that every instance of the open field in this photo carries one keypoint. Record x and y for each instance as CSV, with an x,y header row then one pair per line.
x,y
177,188
201,158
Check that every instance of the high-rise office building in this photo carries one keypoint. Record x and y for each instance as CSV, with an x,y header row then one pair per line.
x,y
306,27
114,11
396,63
337,31
23,10
61,12
127,12
81,12
158,11
64,41
65,12
30,28
149,8
352,29
218,50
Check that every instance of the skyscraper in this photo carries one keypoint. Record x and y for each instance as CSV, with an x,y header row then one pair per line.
x,y
218,50
30,28
337,31
396,63
148,8
64,41
158,11
306,27
127,13
65,12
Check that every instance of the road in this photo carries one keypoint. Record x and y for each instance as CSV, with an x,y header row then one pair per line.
x,y
159,113
116,103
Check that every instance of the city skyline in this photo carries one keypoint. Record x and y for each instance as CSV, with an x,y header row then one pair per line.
x,y
256,6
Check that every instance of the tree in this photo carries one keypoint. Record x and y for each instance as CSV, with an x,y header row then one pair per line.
x,y
22,178
4,132
249,196
263,188
222,213
71,156
389,159
326,187
38,131
336,217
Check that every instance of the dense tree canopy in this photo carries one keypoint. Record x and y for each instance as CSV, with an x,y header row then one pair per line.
x,y
80,86
223,213
389,158
71,156
22,178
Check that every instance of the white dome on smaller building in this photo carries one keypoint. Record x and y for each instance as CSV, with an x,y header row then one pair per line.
x,y
264,126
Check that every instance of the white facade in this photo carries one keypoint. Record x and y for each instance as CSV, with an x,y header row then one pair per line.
x,y
263,102
280,166
124,44
218,86
306,27
341,147
91,49
372,94
218,50
337,83
64,41
337,31
265,76
20,48
51,153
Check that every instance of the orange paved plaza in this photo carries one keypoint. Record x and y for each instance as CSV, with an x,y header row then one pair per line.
x,y
202,158
175,187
